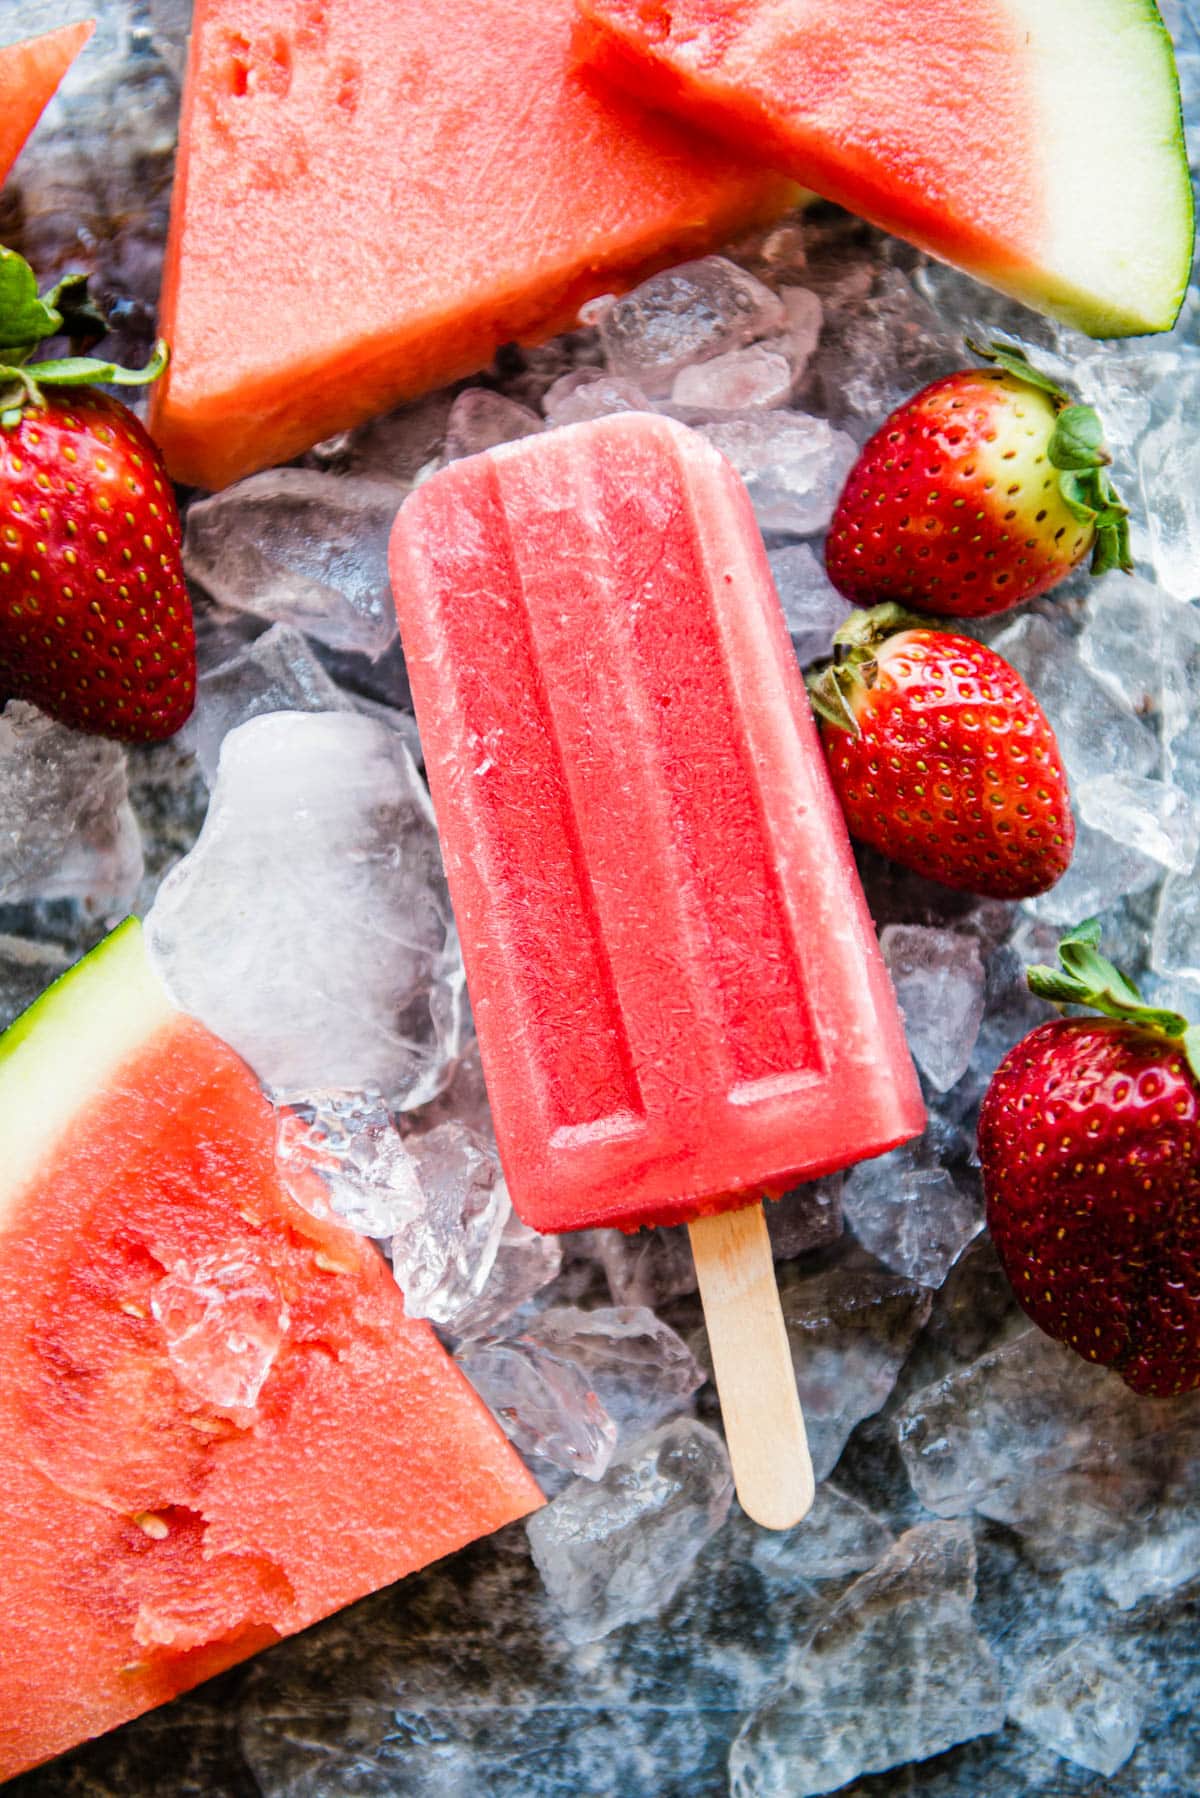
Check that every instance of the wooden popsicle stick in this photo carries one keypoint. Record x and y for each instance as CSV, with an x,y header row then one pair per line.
x,y
752,1364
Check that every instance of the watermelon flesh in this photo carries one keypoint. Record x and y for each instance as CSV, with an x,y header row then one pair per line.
x,y
1037,145
372,197
29,74
216,1423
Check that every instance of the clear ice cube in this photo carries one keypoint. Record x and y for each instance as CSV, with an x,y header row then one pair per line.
x,y
1097,732
850,1330
544,1403
1081,1705
67,829
339,1154
793,466
480,419
812,605
298,547
1156,820
908,1210
895,1671
310,926
224,1320
755,378
938,977
685,315
276,672
591,393
614,1552
642,1372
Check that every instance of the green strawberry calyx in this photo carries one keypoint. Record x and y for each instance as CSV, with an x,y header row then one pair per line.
x,y
836,689
65,310
1076,449
1085,977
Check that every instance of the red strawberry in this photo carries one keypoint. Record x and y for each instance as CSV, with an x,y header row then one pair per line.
x,y
1090,1143
942,757
95,622
983,490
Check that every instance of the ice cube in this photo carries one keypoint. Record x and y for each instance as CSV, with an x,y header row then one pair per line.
x,y
642,1372
808,1217
1101,873
1086,1471
591,393
850,1330
480,419
646,1267
1169,469
462,1256
67,830
224,1320
687,314
338,1153
812,605
1097,732
27,968
277,672
614,1552
544,1404
1175,944
746,380
839,1536
880,345
793,466
1121,644
1081,1705
895,1671
303,548
938,976
445,1249
310,926
907,1209
1156,820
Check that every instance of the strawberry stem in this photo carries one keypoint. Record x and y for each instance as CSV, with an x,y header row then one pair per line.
x,y
1087,978
1077,450
27,318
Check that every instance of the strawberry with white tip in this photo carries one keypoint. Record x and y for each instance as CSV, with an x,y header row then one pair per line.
x,y
984,490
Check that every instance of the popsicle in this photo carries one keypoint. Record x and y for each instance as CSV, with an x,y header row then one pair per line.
x,y
680,1002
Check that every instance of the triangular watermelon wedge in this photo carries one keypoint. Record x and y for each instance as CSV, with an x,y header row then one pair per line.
x,y
371,197
29,74
1036,143
216,1423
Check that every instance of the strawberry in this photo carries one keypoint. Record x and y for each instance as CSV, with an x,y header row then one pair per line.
x,y
942,757
95,622
1089,1139
983,490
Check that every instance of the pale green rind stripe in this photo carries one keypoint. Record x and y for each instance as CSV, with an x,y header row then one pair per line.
x,y
64,1049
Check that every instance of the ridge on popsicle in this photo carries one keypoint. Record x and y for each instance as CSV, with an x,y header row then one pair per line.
x,y
678,995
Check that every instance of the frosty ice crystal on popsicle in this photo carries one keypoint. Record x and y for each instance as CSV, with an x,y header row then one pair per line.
x,y
679,997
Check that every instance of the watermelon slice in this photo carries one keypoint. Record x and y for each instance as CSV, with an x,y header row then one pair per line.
x,y
1036,143
216,1423
372,196
29,73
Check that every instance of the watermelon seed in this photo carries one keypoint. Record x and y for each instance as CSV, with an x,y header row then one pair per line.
x,y
155,1526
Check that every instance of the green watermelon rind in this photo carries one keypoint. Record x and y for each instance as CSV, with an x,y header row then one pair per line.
x,y
61,1051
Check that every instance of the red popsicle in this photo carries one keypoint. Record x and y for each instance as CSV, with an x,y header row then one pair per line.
x,y
680,1001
